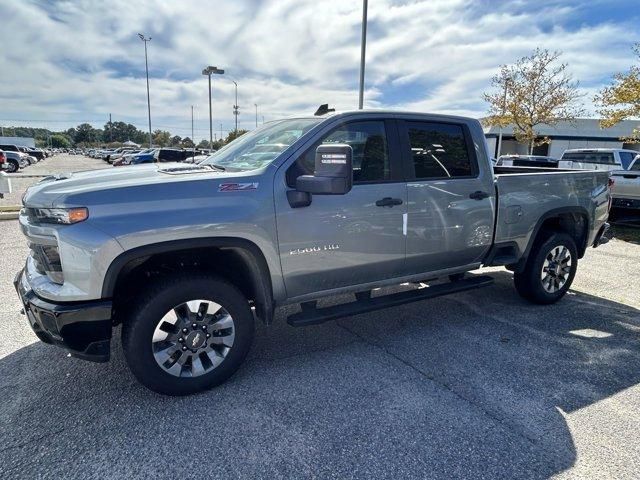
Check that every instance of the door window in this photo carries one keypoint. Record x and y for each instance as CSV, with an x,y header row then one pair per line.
x,y
370,152
626,158
439,150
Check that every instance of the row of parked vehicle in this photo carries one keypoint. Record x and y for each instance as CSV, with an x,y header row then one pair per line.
x,y
623,164
132,156
577,158
15,157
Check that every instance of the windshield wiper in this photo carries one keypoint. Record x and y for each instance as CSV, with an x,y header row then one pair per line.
x,y
215,167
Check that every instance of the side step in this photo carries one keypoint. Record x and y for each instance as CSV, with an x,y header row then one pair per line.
x,y
314,316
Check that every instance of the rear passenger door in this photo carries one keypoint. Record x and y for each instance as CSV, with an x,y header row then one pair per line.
x,y
450,197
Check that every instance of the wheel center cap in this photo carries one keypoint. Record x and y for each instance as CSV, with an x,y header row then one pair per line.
x,y
195,340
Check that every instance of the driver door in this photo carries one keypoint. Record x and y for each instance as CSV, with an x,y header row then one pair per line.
x,y
351,239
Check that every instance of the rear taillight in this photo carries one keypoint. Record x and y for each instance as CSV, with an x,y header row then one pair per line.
x,y
610,184
3,157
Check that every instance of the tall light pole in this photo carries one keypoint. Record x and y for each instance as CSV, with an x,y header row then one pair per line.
x,y
363,46
256,105
193,140
146,64
236,108
211,71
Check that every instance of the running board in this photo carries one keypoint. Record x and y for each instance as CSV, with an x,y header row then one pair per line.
x,y
313,316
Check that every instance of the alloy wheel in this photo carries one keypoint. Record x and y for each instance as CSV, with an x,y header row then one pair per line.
x,y
193,338
556,269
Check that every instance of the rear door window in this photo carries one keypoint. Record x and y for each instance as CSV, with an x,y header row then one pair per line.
x,y
440,150
601,158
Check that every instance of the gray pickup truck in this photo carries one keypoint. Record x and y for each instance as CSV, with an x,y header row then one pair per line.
x,y
186,257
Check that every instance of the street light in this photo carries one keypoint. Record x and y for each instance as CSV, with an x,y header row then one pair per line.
x,y
256,105
146,64
363,45
211,71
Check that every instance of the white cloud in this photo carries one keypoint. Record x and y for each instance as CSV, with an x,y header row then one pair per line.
x,y
67,62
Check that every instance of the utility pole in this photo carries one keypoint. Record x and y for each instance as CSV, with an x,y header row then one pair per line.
x,y
192,137
256,114
146,64
221,135
363,46
110,130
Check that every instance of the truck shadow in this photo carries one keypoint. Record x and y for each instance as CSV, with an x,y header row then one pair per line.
x,y
479,383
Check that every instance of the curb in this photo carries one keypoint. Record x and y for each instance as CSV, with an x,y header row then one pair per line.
x,y
9,215
9,208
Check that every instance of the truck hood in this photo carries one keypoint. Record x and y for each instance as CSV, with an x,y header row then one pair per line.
x,y
52,190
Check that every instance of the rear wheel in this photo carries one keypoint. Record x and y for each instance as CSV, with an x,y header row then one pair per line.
x,y
187,334
550,269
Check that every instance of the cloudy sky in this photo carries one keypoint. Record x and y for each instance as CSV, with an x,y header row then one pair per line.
x,y
73,61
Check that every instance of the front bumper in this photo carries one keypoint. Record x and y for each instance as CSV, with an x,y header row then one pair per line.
x,y
84,329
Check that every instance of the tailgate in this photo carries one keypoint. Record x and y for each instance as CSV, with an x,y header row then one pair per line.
x,y
626,184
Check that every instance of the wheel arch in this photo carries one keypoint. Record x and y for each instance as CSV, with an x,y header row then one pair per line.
x,y
238,260
572,220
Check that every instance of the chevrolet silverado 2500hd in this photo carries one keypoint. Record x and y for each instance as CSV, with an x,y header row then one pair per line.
x,y
184,257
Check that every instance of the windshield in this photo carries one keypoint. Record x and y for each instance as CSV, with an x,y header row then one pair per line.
x,y
260,147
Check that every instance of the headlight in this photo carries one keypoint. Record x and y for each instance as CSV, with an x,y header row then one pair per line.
x,y
61,215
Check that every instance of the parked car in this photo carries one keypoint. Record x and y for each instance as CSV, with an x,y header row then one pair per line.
x,y
597,158
626,187
527,161
35,152
130,158
184,256
15,161
171,155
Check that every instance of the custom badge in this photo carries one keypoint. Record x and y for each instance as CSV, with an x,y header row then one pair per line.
x,y
237,187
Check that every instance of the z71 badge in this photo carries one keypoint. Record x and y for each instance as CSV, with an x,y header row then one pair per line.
x,y
237,187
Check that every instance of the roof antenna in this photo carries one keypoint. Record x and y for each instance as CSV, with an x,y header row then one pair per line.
x,y
323,109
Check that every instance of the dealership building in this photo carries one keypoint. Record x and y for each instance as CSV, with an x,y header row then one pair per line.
x,y
583,133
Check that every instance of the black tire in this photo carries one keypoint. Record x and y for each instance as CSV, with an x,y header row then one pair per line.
x,y
161,297
12,166
529,283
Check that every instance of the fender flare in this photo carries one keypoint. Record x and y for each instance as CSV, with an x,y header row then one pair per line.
x,y
553,213
249,251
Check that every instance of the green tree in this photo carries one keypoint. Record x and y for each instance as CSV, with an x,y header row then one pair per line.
x,y
161,138
535,90
187,143
85,133
233,135
621,100
203,144
60,141
175,141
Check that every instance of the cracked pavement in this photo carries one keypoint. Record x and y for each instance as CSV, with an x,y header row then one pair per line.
x,y
479,384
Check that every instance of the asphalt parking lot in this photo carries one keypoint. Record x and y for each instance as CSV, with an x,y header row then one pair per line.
x,y
475,385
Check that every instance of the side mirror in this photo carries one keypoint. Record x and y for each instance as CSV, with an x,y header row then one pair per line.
x,y
333,173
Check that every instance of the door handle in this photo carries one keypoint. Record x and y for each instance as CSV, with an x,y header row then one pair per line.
x,y
388,202
478,195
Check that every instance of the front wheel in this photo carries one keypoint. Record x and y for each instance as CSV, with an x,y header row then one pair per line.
x,y
549,271
187,334
12,166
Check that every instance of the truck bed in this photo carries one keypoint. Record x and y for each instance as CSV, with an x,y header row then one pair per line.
x,y
528,195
